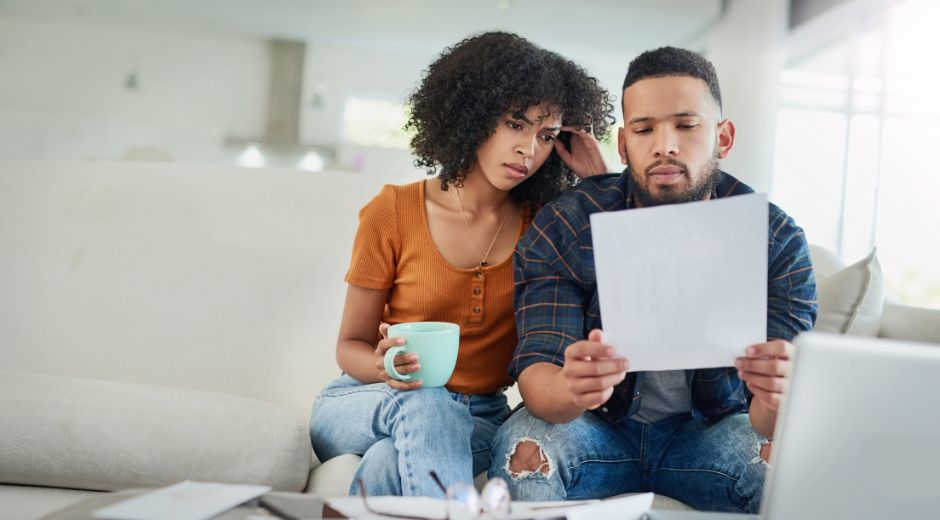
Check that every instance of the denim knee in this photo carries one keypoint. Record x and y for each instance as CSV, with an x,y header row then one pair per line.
x,y
378,469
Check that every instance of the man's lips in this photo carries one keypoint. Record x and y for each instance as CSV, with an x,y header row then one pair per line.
x,y
666,174
667,169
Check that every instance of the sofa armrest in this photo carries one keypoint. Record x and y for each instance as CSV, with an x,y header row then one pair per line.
x,y
910,323
106,435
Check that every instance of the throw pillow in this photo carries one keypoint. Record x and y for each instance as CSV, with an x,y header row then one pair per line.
x,y
851,300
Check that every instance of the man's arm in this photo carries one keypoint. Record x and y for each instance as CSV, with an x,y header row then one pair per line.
x,y
585,382
791,309
559,373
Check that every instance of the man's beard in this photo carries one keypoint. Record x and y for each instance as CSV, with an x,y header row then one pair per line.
x,y
672,194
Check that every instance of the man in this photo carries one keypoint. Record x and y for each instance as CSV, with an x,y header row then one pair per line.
x,y
589,429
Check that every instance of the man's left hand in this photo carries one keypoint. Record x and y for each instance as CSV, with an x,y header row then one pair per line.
x,y
763,369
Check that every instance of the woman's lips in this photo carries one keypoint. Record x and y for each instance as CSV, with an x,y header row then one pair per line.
x,y
517,171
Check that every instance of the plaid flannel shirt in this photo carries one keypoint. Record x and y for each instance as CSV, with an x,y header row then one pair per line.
x,y
556,301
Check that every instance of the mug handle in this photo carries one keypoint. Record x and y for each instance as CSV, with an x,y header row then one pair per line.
x,y
390,364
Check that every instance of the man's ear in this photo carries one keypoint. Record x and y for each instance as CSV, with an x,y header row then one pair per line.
x,y
622,145
725,138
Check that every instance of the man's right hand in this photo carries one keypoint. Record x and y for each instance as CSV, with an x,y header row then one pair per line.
x,y
591,370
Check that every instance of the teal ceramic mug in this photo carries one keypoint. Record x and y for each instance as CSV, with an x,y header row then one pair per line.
x,y
435,343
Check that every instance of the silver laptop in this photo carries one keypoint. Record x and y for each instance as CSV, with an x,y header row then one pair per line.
x,y
858,435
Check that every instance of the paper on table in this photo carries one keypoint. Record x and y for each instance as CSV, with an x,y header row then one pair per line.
x,y
352,507
623,508
683,285
184,501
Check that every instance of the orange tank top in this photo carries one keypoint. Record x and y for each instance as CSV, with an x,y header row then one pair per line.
x,y
393,250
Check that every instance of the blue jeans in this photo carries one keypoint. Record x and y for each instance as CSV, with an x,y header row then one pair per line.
x,y
715,467
402,436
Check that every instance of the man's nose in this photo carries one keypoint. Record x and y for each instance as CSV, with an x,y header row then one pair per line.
x,y
666,143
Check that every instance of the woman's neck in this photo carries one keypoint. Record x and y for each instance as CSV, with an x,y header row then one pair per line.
x,y
479,196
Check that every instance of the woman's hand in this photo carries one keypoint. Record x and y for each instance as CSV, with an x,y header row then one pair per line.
x,y
404,363
584,158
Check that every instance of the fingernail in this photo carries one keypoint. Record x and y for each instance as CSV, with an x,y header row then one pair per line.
x,y
750,351
400,341
609,351
740,374
737,363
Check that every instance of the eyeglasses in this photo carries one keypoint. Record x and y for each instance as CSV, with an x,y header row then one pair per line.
x,y
463,501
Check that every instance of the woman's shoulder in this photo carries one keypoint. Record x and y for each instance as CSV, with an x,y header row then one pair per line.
x,y
401,193
393,196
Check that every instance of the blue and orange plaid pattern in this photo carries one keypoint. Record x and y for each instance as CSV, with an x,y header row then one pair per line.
x,y
556,290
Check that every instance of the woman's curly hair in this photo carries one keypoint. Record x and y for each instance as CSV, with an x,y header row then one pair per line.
x,y
466,90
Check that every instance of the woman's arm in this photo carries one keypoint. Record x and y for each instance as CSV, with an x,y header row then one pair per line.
x,y
358,351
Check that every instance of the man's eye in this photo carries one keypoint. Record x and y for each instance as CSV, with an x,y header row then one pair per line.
x,y
514,125
548,137
641,130
688,127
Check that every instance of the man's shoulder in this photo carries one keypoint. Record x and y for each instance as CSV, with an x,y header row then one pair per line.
x,y
605,192
730,186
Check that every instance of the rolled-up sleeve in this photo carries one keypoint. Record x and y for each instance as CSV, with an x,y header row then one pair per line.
x,y
548,294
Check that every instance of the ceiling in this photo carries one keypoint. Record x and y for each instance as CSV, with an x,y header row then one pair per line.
x,y
418,27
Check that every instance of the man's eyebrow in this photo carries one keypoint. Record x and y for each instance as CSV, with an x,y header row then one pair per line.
x,y
645,119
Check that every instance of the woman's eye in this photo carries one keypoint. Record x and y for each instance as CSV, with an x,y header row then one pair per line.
x,y
548,138
514,125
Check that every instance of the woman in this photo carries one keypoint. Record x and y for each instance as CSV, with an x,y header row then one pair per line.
x,y
486,118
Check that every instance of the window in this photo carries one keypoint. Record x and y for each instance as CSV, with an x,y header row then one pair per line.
x,y
375,122
856,136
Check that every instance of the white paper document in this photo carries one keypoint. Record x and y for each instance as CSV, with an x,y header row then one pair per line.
x,y
623,508
184,501
683,286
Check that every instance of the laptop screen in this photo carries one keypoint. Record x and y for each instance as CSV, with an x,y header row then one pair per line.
x,y
859,432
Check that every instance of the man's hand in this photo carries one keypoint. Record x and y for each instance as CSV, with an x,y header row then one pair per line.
x,y
591,370
763,369
584,158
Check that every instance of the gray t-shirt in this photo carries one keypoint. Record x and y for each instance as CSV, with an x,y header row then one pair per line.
x,y
663,394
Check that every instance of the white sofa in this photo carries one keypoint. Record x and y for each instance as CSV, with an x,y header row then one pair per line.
x,y
162,322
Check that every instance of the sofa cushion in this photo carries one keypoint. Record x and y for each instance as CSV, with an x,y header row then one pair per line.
x,y
31,502
106,435
851,299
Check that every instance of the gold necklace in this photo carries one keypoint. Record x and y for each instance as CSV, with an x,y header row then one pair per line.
x,y
466,221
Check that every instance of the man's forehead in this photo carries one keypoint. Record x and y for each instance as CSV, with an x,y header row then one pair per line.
x,y
668,95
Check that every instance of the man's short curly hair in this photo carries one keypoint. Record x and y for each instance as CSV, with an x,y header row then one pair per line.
x,y
472,84
672,61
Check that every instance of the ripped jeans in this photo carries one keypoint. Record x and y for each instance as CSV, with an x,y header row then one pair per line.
x,y
712,467
401,436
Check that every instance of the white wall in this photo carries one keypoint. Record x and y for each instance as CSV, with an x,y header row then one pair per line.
x,y
748,49
63,94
